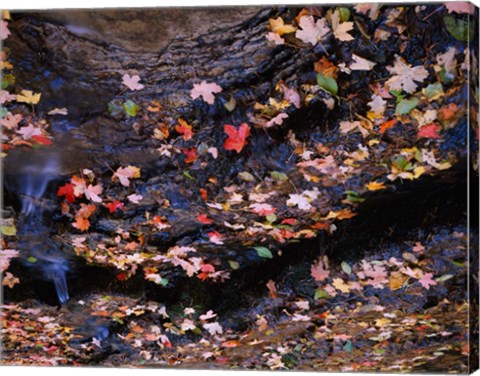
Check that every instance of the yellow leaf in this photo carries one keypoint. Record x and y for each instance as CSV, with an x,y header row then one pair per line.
x,y
278,26
397,280
375,186
382,322
27,96
339,284
418,171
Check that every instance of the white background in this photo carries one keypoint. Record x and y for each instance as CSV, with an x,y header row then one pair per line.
x,y
59,4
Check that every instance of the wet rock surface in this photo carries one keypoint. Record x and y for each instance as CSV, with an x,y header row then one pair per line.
x,y
77,59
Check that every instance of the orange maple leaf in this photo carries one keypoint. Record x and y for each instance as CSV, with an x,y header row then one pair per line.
x,y
81,223
325,67
85,210
448,112
184,128
387,125
237,138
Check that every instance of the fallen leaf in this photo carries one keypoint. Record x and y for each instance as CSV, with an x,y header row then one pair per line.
x,y
11,121
426,281
29,131
67,191
134,198
387,125
375,186
27,96
278,26
262,209
125,173
206,91
81,223
319,272
92,192
275,38
359,63
325,67
58,111
4,32
341,29
429,131
10,280
377,104
340,284
213,328
237,138
113,206
132,82
310,31
460,7
405,76
190,155
184,128
203,218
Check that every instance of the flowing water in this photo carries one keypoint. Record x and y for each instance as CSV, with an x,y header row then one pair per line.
x,y
33,171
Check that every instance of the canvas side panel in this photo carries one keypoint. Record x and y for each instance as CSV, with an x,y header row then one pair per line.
x,y
474,192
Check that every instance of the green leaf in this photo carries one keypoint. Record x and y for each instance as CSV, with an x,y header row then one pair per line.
x,y
321,294
434,91
279,176
271,218
7,80
348,347
354,196
459,29
327,83
344,14
3,112
188,176
444,278
130,108
233,264
446,77
8,230
397,94
164,282
346,268
263,252
32,259
406,105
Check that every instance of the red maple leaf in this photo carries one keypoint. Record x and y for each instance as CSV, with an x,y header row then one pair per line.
x,y
112,206
190,154
204,219
237,138
42,140
429,131
67,191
